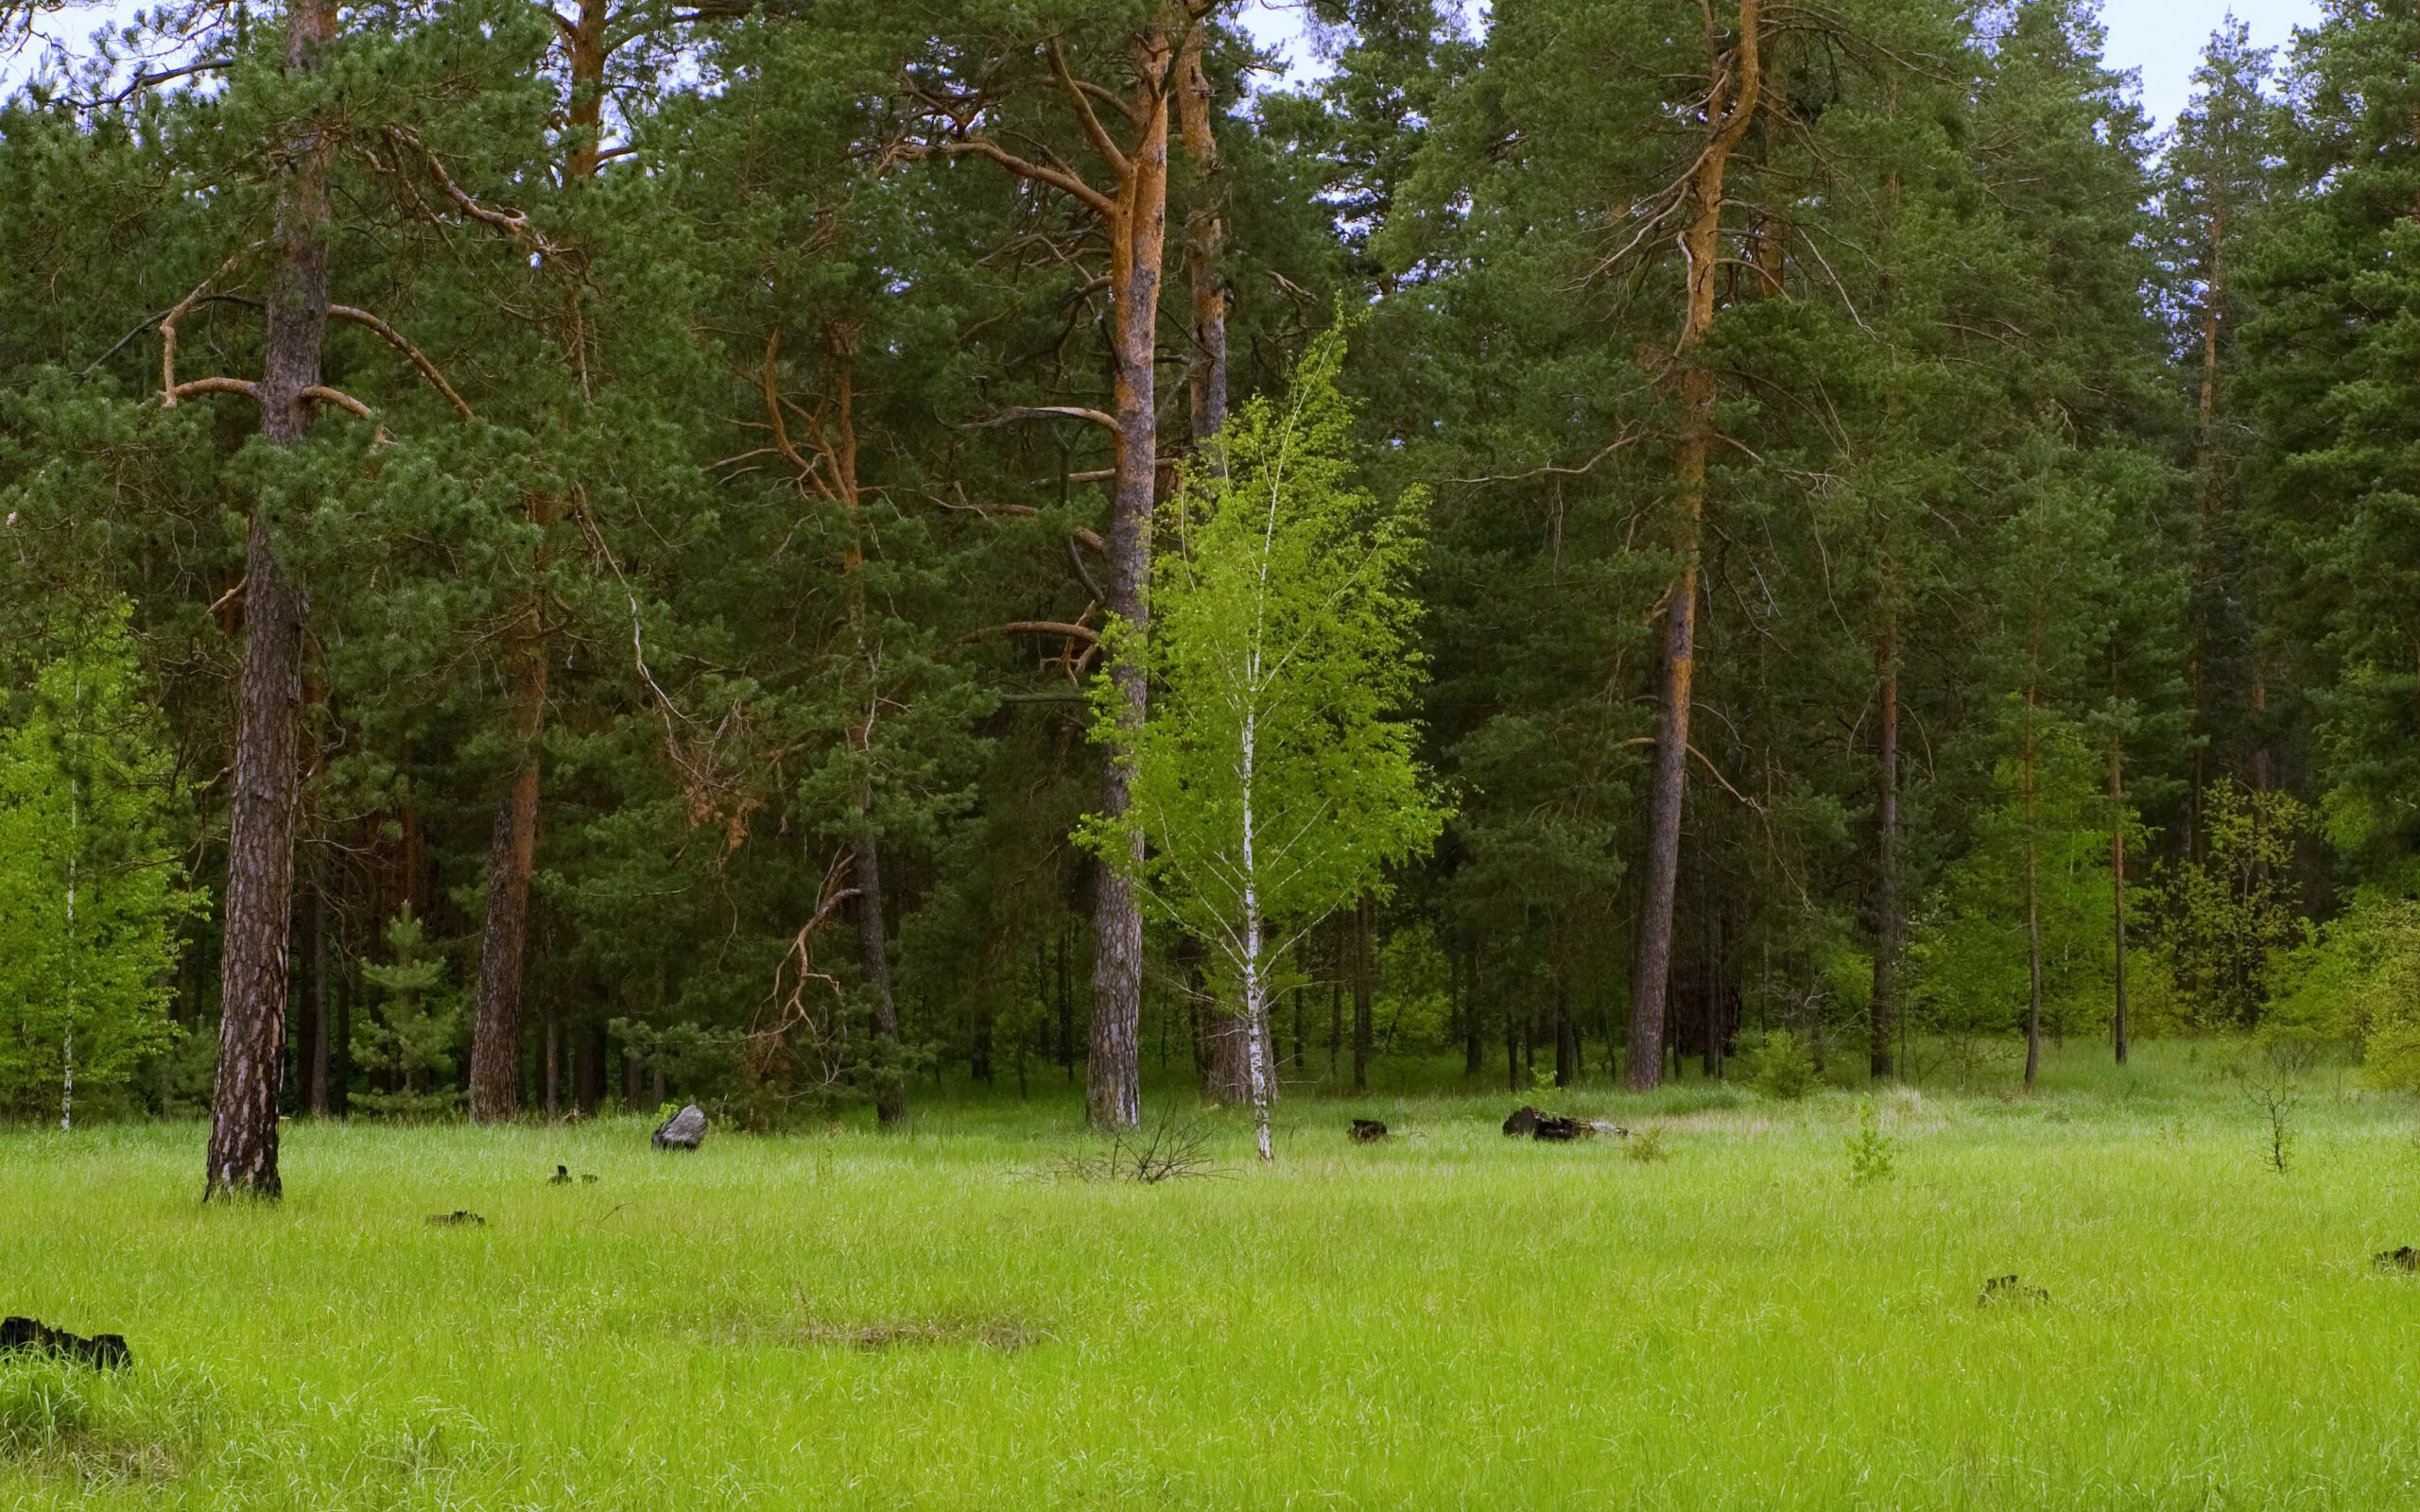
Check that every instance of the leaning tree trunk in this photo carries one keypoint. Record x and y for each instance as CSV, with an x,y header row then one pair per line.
x,y
1138,228
1738,79
242,1157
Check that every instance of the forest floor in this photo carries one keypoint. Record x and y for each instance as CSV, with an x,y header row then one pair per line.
x,y
941,1319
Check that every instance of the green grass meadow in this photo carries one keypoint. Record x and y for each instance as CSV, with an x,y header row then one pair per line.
x,y
935,1319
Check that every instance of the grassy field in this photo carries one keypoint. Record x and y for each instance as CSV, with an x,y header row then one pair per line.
x,y
1450,1319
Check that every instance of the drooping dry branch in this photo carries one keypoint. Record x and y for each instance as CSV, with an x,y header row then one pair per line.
x,y
1009,417
340,398
1069,628
176,313
514,223
169,398
394,339
1628,438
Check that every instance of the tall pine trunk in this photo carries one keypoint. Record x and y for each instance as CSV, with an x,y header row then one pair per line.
x,y
1883,1018
496,1029
2029,760
2118,884
873,960
1738,75
242,1157
1138,228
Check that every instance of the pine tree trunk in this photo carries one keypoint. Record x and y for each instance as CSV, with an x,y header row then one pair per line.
x,y
1738,79
874,960
242,1158
1137,236
495,1035
2033,907
318,1083
1883,1017
1364,978
1204,245
2118,885
496,1025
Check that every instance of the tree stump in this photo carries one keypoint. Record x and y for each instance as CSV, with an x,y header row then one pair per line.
x,y
684,1130
1367,1131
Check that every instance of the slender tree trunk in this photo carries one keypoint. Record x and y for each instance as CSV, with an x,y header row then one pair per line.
x,y
1137,236
1335,1013
2033,906
2118,884
1738,76
874,960
554,1063
317,1083
1364,974
242,1157
1885,1010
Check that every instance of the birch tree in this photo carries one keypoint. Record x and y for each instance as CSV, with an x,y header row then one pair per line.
x,y
1276,775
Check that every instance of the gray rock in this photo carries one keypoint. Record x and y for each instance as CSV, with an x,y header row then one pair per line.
x,y
684,1130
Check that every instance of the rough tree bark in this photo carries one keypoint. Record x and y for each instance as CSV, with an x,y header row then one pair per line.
x,y
1737,80
242,1156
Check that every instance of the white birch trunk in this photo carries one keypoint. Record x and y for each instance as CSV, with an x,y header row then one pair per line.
x,y
1256,970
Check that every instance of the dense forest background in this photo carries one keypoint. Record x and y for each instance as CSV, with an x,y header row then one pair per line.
x,y
556,557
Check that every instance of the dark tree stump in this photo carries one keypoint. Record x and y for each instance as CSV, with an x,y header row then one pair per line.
x,y
684,1130
102,1351
2405,1257
1367,1131
458,1218
2010,1289
1559,1129
561,1177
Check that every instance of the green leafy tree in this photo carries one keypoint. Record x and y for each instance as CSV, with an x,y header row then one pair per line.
x,y
2232,912
92,894
1277,774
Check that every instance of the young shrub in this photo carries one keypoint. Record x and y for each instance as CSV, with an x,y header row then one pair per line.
x,y
1873,1155
1780,1064
1646,1145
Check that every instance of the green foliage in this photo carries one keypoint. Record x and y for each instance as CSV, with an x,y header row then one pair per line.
x,y
1969,957
2232,914
1873,1155
1781,1064
1277,774
412,1038
92,894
